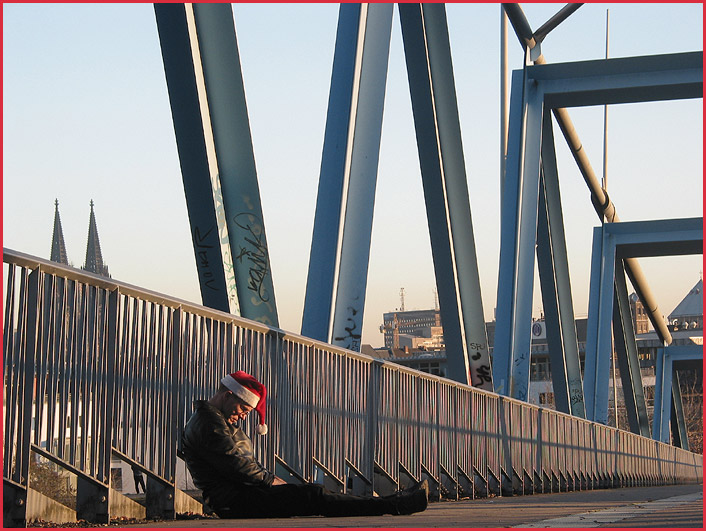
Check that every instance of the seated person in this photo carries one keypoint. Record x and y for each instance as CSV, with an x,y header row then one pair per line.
x,y
220,457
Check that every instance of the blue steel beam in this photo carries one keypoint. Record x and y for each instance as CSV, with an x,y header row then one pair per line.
x,y
680,437
212,251
598,82
435,110
620,80
667,357
595,373
216,47
508,203
626,355
340,248
517,244
598,335
555,284
623,240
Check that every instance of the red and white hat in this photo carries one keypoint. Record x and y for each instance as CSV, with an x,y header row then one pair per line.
x,y
250,391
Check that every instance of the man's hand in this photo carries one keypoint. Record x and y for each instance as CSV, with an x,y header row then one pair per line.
x,y
278,481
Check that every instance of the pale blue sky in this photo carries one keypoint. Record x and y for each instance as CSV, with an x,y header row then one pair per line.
x,y
86,116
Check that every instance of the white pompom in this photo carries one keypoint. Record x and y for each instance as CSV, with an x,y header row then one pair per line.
x,y
261,429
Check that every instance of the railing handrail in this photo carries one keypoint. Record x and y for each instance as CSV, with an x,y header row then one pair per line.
x,y
73,273
81,275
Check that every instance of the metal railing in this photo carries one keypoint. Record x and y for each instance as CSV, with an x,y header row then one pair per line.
x,y
94,368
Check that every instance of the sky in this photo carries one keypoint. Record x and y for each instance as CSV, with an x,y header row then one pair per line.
x,y
86,117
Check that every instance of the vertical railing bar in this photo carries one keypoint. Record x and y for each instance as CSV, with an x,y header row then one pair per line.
x,y
93,397
132,390
42,372
123,353
96,388
39,368
82,354
62,364
101,386
144,386
175,393
49,346
71,367
33,302
11,367
160,405
149,386
84,359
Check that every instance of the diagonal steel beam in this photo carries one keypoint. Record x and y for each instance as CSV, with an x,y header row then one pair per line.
x,y
211,248
340,247
564,13
215,47
555,284
626,353
435,110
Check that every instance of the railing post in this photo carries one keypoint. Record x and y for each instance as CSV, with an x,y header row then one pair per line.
x,y
159,499
91,501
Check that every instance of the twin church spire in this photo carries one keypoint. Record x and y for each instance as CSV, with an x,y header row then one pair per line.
x,y
94,256
58,247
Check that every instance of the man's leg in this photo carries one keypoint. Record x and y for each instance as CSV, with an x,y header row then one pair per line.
x,y
312,500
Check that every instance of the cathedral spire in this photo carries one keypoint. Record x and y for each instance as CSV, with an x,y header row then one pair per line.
x,y
58,247
94,257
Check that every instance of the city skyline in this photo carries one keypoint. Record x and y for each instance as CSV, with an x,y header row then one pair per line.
x,y
86,115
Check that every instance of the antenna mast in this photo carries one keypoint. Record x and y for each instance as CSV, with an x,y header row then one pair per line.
x,y
401,299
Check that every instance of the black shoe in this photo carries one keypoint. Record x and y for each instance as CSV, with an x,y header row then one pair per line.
x,y
411,502
420,485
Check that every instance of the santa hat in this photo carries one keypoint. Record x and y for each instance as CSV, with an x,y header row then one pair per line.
x,y
250,391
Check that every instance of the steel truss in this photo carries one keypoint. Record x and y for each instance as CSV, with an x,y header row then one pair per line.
x,y
531,208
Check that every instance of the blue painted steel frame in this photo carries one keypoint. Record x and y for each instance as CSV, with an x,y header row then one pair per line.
x,y
626,355
556,286
542,87
217,45
511,351
340,249
664,381
435,109
209,250
616,241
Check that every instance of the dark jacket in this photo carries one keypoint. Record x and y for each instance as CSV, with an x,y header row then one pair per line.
x,y
220,456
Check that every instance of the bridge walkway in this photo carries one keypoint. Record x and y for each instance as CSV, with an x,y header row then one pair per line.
x,y
639,507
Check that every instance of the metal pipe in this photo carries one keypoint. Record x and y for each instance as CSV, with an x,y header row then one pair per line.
x,y
599,197
553,22
519,23
504,101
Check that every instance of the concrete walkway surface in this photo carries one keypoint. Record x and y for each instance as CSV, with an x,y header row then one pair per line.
x,y
665,506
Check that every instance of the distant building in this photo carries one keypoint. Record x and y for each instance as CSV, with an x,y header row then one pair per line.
x,y
640,321
411,342
689,313
94,257
414,323
58,247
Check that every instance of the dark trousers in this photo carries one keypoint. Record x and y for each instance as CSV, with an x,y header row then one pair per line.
x,y
295,500
139,482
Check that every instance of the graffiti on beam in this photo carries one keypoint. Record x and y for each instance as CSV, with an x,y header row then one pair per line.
x,y
350,339
253,251
202,245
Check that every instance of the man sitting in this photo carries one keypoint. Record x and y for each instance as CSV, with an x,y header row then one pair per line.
x,y
220,457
